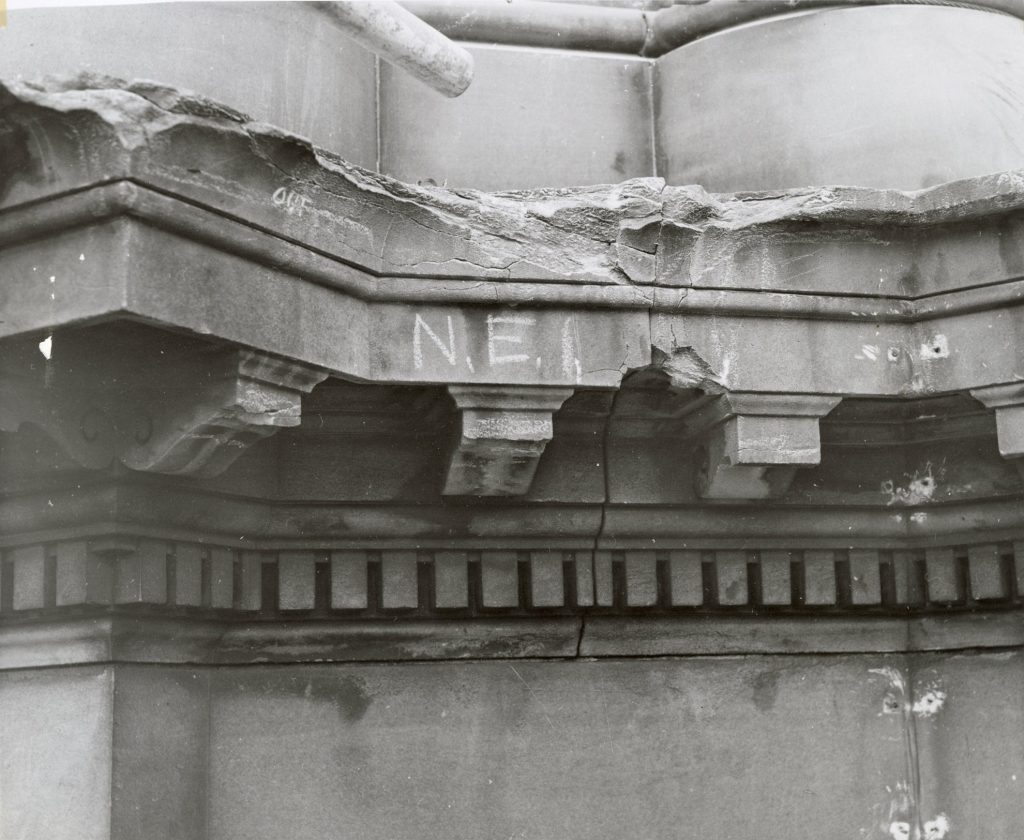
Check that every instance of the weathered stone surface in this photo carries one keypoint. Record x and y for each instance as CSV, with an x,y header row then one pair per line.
x,y
178,141
458,751
592,276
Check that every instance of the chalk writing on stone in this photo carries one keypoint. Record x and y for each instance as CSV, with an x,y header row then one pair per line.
x,y
447,350
509,335
290,200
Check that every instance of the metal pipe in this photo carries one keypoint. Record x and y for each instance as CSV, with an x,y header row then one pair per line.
x,y
402,39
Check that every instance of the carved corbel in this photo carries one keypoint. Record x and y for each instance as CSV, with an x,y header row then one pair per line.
x,y
245,396
191,416
1008,402
502,433
751,445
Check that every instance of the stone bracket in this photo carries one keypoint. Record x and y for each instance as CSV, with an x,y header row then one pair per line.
x,y
752,444
502,433
1008,402
187,419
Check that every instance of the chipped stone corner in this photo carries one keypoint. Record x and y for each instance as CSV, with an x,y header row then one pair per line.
x,y
686,369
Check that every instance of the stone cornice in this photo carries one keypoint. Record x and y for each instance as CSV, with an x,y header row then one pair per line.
x,y
143,182
638,232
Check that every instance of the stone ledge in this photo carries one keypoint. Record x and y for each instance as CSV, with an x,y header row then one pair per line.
x,y
168,640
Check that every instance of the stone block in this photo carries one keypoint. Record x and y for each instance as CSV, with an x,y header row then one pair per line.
x,y
451,579
604,593
399,580
348,580
251,590
942,577
296,580
908,580
716,103
525,108
819,577
141,574
547,579
29,590
731,578
986,571
74,565
222,578
776,581
641,578
584,567
865,577
56,747
161,753
493,748
188,575
499,578
686,578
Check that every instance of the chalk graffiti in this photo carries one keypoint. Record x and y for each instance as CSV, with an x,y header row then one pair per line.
x,y
494,338
507,339
448,351
290,200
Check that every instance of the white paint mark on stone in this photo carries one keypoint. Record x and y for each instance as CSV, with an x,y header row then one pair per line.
x,y
869,352
469,364
46,347
936,829
936,347
494,338
919,490
929,703
81,257
420,326
899,830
